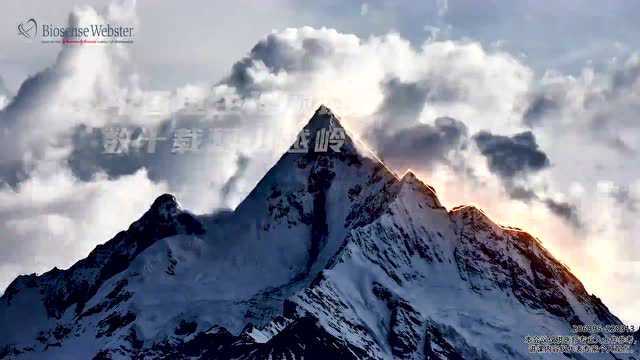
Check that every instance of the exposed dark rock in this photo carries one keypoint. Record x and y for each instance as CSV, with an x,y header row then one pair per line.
x,y
186,328
114,322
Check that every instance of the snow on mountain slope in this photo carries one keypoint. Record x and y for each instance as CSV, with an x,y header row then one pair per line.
x,y
330,256
421,283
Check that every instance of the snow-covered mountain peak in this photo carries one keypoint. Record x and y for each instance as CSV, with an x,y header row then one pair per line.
x,y
323,117
326,136
165,208
330,256
409,175
166,205
323,121
419,188
471,215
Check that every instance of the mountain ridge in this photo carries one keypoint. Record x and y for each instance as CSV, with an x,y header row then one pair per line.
x,y
329,245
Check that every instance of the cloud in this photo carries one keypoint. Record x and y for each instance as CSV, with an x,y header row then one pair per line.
x,y
4,91
601,105
52,126
588,124
36,121
270,93
539,106
230,185
47,215
401,139
418,106
630,198
54,219
514,159
403,103
565,210
511,156
423,144
459,79
5,94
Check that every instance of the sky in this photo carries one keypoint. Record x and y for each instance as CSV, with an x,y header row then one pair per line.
x,y
528,110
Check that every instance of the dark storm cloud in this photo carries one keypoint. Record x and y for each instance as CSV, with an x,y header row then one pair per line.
x,y
510,156
519,192
422,144
565,210
241,77
398,136
402,103
88,156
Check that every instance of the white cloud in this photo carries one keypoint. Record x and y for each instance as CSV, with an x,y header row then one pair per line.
x,y
51,216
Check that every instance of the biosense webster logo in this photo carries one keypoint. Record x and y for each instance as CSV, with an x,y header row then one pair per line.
x,y
28,29
99,33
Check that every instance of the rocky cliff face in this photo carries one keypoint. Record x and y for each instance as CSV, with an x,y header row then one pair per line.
x,y
330,256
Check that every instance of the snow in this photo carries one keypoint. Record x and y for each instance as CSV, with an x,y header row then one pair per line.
x,y
376,259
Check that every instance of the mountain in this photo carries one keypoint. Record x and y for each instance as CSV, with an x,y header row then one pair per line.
x,y
331,256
